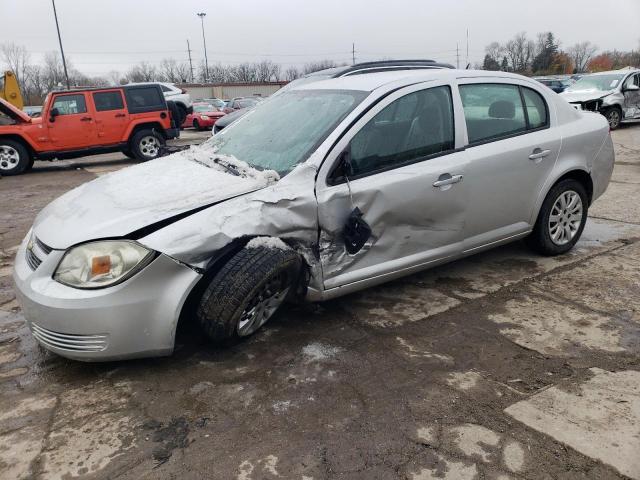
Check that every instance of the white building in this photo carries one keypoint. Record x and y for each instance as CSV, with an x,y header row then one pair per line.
x,y
230,90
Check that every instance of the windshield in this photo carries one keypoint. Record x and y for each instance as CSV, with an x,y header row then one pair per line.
x,y
597,82
203,108
280,133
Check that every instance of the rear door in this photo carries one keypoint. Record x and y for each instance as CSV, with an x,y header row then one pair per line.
x,y
111,116
74,127
407,181
512,150
632,97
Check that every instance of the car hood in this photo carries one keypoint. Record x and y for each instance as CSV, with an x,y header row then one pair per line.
x,y
145,196
585,95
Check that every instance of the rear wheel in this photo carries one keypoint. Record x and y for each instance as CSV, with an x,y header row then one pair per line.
x,y
146,144
613,116
247,291
14,158
561,219
196,125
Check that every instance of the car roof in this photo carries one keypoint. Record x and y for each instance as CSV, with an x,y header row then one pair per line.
x,y
611,72
372,81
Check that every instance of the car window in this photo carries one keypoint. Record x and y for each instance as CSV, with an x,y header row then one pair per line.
x,y
536,108
108,101
70,104
144,98
165,89
411,128
632,80
492,111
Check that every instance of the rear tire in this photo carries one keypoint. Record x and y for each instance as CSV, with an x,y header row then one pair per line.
x,y
561,220
146,144
196,125
246,292
14,158
613,116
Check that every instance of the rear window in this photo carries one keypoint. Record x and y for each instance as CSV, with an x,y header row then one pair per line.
x,y
108,101
145,99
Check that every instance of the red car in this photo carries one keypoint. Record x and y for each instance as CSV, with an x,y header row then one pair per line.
x,y
240,103
203,117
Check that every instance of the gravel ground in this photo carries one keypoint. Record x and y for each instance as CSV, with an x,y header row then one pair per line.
x,y
504,365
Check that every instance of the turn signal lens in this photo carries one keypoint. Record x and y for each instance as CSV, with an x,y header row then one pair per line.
x,y
100,265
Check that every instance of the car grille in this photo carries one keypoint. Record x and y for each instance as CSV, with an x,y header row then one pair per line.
x,y
591,105
36,252
69,342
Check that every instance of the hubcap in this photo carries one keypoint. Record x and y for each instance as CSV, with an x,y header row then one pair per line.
x,y
263,305
565,218
9,157
149,146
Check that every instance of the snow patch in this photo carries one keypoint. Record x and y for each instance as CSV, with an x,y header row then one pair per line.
x,y
268,242
316,352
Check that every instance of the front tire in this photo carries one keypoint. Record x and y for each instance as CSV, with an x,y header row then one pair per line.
x,y
146,145
14,158
613,116
196,125
561,220
246,292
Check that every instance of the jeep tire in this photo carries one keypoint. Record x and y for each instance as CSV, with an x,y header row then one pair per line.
x,y
14,158
146,144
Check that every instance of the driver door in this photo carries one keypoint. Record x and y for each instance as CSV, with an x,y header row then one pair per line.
x,y
632,97
406,180
74,127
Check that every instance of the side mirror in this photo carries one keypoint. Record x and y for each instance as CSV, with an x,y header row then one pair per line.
x,y
53,114
345,167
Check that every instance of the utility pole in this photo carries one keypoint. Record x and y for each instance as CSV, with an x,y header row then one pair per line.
x,y
467,62
190,63
64,62
353,53
204,40
457,56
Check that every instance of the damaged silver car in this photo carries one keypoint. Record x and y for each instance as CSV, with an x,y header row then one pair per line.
x,y
615,94
331,187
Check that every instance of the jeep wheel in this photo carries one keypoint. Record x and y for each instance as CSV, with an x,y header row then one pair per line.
x,y
146,145
247,291
14,158
613,116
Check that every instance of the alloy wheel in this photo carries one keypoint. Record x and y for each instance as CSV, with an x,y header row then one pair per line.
x,y
149,146
263,305
566,217
614,118
9,157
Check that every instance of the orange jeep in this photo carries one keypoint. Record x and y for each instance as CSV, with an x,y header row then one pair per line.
x,y
133,119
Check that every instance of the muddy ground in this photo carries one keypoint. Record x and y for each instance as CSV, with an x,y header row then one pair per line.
x,y
505,365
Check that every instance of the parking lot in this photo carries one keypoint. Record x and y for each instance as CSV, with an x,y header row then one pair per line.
x,y
504,365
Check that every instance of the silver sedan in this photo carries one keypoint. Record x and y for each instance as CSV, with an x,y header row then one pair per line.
x,y
328,188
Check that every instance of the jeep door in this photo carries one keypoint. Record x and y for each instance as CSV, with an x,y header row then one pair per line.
x,y
512,150
111,116
406,179
74,127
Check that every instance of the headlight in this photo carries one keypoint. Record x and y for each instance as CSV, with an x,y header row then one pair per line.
x,y
204,117
101,264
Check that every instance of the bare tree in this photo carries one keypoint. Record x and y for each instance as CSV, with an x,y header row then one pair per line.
x,y
291,74
16,58
143,72
519,51
173,71
316,66
495,51
581,53
267,71
115,77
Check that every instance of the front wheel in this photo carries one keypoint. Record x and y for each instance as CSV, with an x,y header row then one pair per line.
x,y
14,158
561,220
146,145
196,125
613,116
247,291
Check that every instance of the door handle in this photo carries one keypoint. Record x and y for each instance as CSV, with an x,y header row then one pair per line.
x,y
85,119
539,153
119,115
447,179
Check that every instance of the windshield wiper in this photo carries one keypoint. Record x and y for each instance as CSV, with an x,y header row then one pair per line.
x,y
232,170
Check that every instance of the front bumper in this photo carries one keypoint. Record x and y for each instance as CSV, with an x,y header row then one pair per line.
x,y
136,318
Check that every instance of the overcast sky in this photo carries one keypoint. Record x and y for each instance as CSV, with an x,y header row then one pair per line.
x,y
103,35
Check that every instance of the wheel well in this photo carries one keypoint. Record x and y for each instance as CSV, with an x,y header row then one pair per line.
x,y
22,141
143,126
580,176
